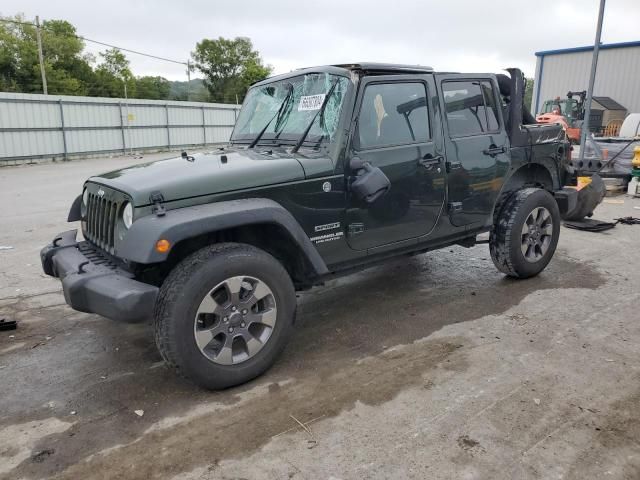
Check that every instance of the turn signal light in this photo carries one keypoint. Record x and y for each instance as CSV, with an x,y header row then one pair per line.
x,y
163,246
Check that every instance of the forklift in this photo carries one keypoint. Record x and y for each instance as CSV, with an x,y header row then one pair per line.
x,y
568,112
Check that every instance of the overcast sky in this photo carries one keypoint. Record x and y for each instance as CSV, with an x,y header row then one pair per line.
x,y
458,35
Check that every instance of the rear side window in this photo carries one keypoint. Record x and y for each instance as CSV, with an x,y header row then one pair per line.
x,y
492,108
393,114
471,108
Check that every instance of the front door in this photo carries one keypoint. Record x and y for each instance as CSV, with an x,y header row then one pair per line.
x,y
395,132
477,147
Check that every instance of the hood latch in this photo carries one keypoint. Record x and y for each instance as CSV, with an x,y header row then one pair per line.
x,y
158,209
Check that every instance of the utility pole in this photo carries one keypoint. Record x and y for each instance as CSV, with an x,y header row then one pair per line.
x,y
592,80
188,79
40,56
126,103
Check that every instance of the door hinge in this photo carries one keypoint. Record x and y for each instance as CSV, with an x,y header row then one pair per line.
x,y
455,207
356,228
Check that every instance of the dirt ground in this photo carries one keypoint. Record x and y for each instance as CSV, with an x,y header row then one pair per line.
x,y
434,366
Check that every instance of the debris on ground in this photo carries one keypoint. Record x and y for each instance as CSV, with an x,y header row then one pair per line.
x,y
41,456
589,225
139,412
295,428
312,442
592,225
6,324
467,443
628,220
6,247
73,412
582,409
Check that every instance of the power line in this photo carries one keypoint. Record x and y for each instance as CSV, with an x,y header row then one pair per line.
x,y
80,37
38,28
130,51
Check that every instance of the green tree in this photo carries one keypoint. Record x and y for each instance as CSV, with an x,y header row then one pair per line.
x,y
152,88
10,63
195,90
68,71
528,93
113,76
229,66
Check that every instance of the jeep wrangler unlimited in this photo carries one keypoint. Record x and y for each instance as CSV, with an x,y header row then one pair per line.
x,y
328,170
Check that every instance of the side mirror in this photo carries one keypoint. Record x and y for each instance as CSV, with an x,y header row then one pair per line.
x,y
356,163
370,182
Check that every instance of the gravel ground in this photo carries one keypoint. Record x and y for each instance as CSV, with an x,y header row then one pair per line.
x,y
434,366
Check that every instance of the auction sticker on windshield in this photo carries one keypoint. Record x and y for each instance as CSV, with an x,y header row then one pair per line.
x,y
311,102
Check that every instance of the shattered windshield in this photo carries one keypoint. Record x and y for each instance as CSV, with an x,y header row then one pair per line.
x,y
288,106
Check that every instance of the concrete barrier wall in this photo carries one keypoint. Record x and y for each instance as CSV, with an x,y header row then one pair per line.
x,y
49,126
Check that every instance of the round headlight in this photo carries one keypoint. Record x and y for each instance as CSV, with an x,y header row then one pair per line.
x,y
127,215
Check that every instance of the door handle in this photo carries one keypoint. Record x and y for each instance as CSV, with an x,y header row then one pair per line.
x,y
429,160
493,150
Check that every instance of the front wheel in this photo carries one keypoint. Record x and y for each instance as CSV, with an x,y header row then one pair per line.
x,y
525,234
224,314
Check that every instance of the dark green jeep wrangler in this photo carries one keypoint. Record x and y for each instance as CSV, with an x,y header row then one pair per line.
x,y
328,170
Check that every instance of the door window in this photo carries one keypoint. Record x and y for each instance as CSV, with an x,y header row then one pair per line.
x,y
393,114
471,108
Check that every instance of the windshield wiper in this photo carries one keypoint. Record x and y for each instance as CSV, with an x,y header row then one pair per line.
x,y
320,112
277,115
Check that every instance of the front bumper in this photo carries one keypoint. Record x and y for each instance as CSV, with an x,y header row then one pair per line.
x,y
94,284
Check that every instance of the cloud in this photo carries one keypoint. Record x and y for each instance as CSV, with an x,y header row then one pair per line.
x,y
452,35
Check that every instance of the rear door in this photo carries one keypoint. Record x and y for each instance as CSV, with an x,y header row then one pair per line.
x,y
395,132
477,146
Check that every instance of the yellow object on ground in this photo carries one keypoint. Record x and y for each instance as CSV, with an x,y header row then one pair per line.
x,y
583,182
636,158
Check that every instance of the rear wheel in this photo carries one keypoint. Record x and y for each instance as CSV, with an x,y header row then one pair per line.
x,y
525,235
224,314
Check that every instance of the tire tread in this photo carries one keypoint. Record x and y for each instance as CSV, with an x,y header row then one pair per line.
x,y
170,291
502,233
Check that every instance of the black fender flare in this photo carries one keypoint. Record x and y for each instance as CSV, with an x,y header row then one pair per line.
x,y
75,212
138,244
518,177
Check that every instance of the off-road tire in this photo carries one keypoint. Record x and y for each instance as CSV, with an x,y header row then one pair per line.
x,y
179,299
505,239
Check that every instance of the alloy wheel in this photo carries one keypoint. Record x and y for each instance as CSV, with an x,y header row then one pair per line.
x,y
235,320
537,232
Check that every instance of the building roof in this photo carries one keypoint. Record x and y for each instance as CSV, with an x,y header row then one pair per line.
x,y
609,103
603,46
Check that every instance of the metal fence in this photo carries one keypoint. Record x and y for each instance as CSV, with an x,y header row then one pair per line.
x,y
50,126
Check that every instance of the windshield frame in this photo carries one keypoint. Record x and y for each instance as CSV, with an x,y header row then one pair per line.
x,y
289,140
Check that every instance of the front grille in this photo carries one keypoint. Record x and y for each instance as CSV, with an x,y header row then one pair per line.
x,y
101,219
